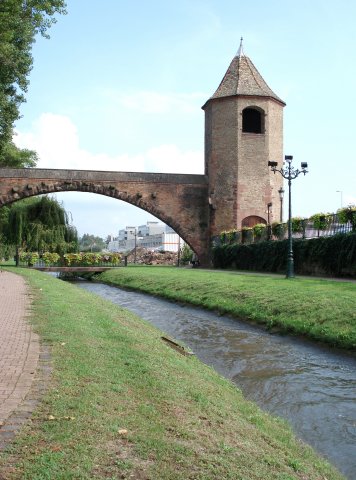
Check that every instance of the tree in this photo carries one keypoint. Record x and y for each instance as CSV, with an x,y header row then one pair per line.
x,y
15,157
91,243
38,224
186,254
20,22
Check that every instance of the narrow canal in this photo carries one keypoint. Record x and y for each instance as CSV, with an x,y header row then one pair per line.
x,y
313,387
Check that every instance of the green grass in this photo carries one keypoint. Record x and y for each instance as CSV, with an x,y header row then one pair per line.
x,y
322,310
122,404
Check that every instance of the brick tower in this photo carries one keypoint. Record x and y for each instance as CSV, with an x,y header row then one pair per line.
x,y
243,131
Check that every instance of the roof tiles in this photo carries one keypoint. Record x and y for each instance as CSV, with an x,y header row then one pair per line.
x,y
242,78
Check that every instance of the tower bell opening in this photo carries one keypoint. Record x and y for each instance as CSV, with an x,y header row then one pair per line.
x,y
253,120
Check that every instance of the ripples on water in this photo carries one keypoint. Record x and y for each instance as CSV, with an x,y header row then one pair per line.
x,y
312,387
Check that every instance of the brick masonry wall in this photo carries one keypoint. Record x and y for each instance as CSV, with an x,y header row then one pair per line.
x,y
257,185
240,182
221,160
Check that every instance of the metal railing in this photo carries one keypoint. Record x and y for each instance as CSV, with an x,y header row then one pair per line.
x,y
314,227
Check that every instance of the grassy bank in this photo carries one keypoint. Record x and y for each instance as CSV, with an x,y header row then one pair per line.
x,y
122,404
323,310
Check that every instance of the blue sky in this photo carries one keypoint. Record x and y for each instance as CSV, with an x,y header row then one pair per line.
x,y
120,85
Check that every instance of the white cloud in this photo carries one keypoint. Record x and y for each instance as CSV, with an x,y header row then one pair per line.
x,y
56,140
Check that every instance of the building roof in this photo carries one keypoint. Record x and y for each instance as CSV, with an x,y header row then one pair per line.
x,y
243,78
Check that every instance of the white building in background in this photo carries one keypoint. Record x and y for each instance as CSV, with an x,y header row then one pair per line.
x,y
152,236
167,242
127,238
151,228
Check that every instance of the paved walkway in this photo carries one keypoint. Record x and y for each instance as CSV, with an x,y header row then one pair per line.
x,y
19,352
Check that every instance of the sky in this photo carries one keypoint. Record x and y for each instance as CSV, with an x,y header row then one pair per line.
x,y
120,85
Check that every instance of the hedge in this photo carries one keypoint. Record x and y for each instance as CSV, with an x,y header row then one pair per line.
x,y
332,256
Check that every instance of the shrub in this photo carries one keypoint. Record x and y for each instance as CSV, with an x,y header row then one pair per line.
x,y
72,259
88,259
222,237
260,231
321,221
279,230
115,258
297,225
50,258
229,236
186,254
247,235
334,256
29,257
348,214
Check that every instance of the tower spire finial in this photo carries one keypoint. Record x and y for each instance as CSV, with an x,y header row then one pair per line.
x,y
240,52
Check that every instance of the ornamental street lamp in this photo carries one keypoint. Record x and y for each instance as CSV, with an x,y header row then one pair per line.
x,y
269,206
281,196
289,173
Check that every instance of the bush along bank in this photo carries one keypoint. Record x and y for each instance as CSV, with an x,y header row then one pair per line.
x,y
332,256
123,404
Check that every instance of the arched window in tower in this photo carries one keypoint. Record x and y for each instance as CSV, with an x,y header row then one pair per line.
x,y
253,120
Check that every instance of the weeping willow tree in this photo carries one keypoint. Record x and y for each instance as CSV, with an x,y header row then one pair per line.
x,y
39,224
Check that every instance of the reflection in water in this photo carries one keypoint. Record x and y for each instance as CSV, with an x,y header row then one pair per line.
x,y
313,388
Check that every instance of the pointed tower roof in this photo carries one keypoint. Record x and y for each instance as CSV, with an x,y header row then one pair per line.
x,y
242,78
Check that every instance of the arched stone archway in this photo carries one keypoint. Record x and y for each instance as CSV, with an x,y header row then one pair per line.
x,y
252,220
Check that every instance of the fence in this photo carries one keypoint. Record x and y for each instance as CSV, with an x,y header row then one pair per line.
x,y
316,226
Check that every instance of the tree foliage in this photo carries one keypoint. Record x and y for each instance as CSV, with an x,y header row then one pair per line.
x,y
186,254
20,22
38,224
91,243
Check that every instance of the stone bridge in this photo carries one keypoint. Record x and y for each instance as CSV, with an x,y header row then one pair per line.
x,y
180,201
243,132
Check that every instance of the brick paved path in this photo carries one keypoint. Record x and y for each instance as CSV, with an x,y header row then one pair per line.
x,y
19,346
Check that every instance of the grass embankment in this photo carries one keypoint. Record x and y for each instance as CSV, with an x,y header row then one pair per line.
x,y
322,310
122,404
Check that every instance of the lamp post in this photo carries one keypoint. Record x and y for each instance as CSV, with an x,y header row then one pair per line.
x,y
281,196
269,206
289,173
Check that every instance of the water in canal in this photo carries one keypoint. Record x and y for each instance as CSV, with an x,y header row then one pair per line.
x,y
313,387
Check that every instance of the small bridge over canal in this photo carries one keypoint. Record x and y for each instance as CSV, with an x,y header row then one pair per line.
x,y
73,269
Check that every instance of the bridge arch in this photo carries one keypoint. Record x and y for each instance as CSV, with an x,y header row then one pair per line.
x,y
180,201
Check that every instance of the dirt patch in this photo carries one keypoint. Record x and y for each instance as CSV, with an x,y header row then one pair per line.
x,y
146,257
